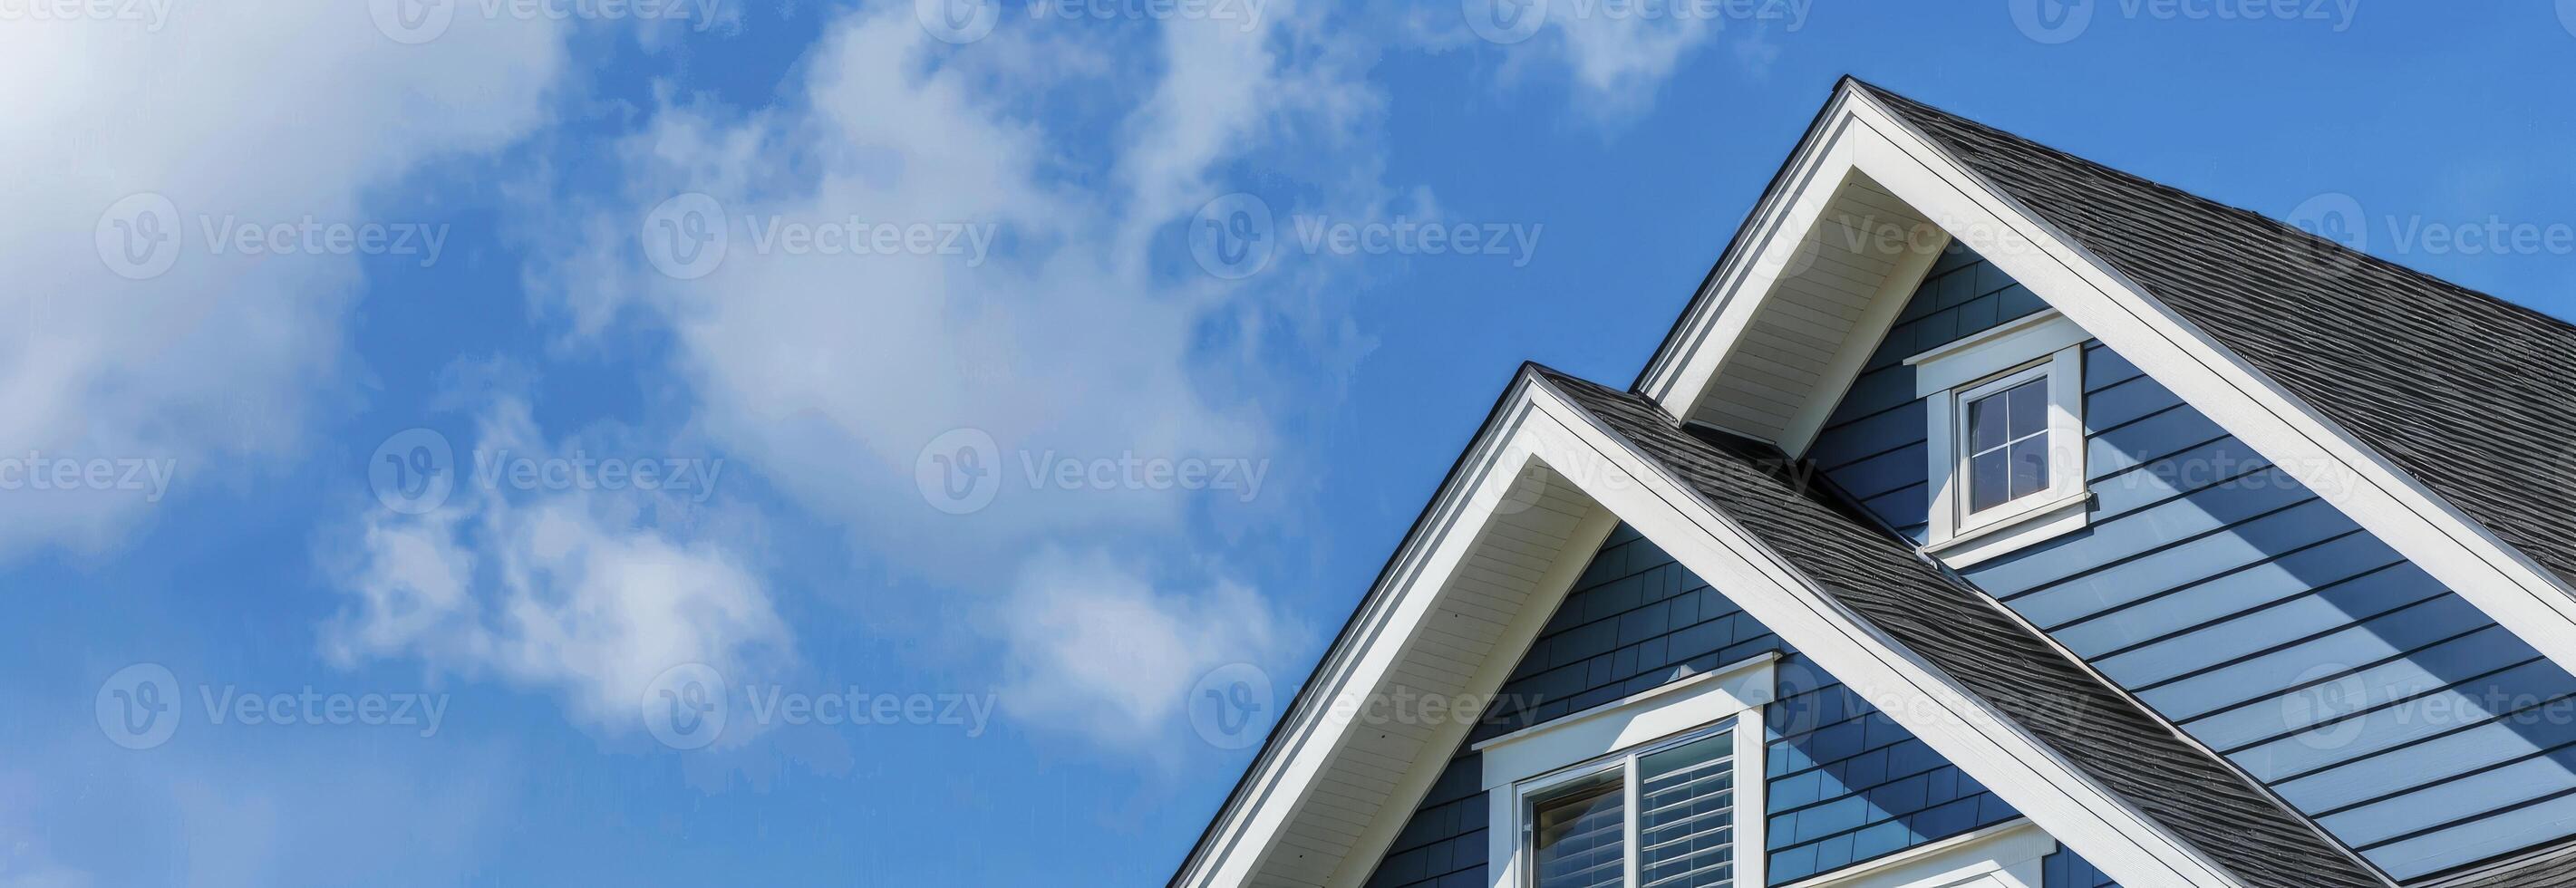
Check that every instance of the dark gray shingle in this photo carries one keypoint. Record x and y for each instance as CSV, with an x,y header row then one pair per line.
x,y
1966,635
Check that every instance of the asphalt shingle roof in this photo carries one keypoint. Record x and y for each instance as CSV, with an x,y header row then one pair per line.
x,y
2472,395
1965,634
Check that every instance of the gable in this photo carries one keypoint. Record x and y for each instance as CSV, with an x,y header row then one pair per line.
x,y
1974,688
2013,690
2483,381
1980,187
1846,784
2239,605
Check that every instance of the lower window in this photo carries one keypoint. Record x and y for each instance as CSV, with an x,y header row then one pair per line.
x,y
1662,816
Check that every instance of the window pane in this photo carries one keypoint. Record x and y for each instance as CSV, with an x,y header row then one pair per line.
x,y
1986,423
1580,838
1686,815
1988,484
2029,408
2030,467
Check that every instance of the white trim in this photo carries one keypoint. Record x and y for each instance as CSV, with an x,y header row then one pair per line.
x,y
1525,626
2030,527
1856,132
1724,305
1993,351
2009,854
1535,425
1753,795
1643,718
2440,539
1961,537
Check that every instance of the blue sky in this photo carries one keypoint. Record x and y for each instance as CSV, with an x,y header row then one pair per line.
x,y
982,450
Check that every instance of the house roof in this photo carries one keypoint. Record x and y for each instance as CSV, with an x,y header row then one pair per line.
x,y
2410,366
1937,616
2466,392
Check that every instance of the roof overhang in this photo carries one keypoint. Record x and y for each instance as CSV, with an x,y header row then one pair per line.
x,y
1859,139
1540,486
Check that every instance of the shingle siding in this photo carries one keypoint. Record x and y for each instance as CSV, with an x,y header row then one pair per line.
x,y
2241,606
2065,870
1963,634
1846,784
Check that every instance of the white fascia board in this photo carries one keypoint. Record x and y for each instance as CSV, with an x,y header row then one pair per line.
x,y
1535,424
1748,274
2394,506
1254,819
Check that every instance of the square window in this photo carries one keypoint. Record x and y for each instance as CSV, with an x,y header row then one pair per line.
x,y
2005,442
2008,442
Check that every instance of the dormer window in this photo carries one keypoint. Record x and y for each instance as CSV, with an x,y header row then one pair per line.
x,y
2006,427
2006,442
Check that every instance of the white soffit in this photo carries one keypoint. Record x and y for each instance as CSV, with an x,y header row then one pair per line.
x,y
1831,280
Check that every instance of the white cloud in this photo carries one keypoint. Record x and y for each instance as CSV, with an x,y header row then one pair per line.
x,y
568,590
1085,334
1618,63
1615,56
236,114
1096,648
830,373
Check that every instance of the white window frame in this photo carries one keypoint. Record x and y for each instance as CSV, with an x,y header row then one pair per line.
x,y
2044,345
1523,767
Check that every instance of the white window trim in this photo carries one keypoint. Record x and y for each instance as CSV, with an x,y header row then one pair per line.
x,y
1952,376
2012,853
1528,763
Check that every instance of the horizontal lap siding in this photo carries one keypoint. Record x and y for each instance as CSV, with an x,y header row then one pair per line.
x,y
1845,784
2236,603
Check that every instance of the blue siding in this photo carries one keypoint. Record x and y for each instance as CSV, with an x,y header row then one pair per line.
x,y
2239,605
1846,785
2065,870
